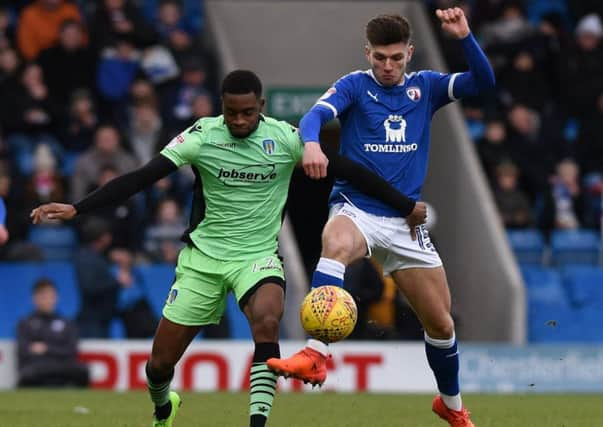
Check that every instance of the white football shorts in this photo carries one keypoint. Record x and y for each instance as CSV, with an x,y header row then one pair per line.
x,y
388,240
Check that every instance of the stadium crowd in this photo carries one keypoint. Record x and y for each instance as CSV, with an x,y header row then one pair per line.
x,y
94,89
540,138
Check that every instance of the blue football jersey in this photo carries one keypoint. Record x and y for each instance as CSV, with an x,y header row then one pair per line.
x,y
386,129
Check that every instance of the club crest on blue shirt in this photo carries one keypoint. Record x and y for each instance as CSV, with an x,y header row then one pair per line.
x,y
268,145
414,93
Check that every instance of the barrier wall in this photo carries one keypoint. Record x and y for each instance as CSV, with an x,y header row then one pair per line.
x,y
355,366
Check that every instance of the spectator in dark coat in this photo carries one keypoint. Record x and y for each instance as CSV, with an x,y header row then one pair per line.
x,y
47,344
99,289
70,65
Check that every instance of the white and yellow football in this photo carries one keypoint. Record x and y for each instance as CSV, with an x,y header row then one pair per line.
x,y
328,313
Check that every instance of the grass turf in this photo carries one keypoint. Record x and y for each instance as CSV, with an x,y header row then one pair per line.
x,y
50,408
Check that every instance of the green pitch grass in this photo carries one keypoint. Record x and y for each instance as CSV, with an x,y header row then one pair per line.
x,y
96,409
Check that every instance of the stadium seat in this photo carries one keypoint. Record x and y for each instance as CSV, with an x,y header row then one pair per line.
x,y
15,292
58,242
528,245
584,285
575,247
117,329
550,316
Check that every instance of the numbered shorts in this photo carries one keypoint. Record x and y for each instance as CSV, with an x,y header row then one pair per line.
x,y
198,295
389,242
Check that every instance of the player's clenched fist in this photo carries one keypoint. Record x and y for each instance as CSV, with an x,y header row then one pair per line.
x,y
454,22
314,162
417,217
52,211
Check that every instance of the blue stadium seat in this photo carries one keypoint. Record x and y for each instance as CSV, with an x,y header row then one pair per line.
x,y
158,279
550,316
237,322
58,242
15,294
117,329
584,285
15,291
575,247
589,320
528,245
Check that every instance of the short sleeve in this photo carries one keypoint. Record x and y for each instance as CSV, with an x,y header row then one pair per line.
x,y
441,88
341,95
183,149
294,142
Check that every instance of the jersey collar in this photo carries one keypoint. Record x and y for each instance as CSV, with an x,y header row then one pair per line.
x,y
372,76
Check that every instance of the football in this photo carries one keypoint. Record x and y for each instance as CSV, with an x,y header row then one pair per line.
x,y
328,313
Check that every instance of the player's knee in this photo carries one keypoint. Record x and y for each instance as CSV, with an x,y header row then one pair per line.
x,y
441,328
337,246
265,327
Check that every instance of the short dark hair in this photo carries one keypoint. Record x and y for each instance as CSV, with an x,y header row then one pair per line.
x,y
388,29
240,82
41,284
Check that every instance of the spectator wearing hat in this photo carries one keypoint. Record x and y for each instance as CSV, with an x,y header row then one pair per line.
x,y
582,68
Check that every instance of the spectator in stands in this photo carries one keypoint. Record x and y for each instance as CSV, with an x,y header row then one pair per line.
x,y
47,344
141,91
9,67
107,151
133,307
45,184
80,124
162,239
145,132
582,68
566,204
116,19
3,231
30,117
117,68
40,23
527,143
123,218
365,285
175,32
511,26
525,84
203,105
178,103
493,148
590,141
99,289
69,65
513,205
6,35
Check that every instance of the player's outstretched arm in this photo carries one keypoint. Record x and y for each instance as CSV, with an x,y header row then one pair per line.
x,y
480,77
115,191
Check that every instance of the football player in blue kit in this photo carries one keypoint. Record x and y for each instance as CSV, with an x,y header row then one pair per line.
x,y
385,115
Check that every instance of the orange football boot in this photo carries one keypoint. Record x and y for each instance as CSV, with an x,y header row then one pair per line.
x,y
307,365
454,418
